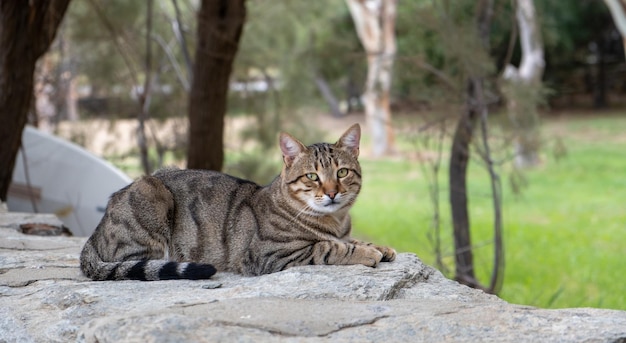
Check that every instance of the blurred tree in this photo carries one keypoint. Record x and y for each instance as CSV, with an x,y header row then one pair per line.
x,y
475,112
375,24
468,43
128,80
618,12
27,28
220,24
524,86
458,71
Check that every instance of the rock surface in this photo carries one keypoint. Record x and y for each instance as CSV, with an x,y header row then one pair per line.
x,y
44,298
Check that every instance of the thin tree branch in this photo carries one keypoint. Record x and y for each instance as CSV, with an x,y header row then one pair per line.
x,y
144,96
433,70
180,36
497,275
184,81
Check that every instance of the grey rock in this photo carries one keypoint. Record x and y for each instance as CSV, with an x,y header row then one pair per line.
x,y
44,298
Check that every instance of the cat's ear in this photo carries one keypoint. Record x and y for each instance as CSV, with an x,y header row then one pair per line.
x,y
349,141
290,147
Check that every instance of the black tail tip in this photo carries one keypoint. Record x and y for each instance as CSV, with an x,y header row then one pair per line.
x,y
199,271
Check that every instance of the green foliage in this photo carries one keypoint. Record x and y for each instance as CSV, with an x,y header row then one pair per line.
x,y
91,42
307,38
438,48
291,40
107,45
441,36
568,27
564,233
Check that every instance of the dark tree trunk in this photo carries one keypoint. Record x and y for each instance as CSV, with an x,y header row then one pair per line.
x,y
220,24
27,28
459,157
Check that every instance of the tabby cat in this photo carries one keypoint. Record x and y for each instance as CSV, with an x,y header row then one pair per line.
x,y
188,224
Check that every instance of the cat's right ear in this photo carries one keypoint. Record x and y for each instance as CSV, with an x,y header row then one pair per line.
x,y
290,147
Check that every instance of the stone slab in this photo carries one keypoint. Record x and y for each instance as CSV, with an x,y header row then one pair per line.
x,y
44,298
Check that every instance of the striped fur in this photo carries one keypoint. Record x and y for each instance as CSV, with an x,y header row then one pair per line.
x,y
188,224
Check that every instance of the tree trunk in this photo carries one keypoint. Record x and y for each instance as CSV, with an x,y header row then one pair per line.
x,y
220,25
527,80
459,157
375,24
27,28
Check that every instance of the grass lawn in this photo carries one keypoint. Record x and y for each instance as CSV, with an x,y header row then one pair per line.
x,y
565,233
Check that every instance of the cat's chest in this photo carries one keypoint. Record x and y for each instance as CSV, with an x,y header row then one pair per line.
x,y
329,228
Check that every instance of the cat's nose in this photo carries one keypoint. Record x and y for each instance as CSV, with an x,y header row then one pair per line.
x,y
331,194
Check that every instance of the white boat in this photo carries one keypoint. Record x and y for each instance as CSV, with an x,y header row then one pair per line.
x,y
53,175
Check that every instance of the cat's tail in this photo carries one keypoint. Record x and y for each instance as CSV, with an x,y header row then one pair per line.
x,y
145,270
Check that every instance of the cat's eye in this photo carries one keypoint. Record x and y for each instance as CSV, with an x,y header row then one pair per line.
x,y
343,172
312,176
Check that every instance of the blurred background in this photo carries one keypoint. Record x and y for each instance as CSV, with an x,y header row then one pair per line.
x,y
494,131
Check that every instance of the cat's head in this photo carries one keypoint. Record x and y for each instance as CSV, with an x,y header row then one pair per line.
x,y
323,178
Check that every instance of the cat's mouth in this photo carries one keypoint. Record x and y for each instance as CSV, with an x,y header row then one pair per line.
x,y
328,207
331,205
331,202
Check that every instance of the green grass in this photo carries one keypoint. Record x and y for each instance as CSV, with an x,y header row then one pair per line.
x,y
565,234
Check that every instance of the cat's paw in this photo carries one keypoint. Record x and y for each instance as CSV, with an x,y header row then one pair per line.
x,y
389,254
367,255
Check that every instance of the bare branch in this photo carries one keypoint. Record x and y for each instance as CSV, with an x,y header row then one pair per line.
x,y
144,96
497,275
178,32
440,74
170,56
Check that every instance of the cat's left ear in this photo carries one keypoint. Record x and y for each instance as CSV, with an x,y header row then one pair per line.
x,y
349,141
290,147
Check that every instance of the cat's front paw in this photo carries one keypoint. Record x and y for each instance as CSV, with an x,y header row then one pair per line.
x,y
367,255
389,254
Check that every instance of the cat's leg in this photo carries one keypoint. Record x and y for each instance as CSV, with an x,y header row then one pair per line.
x,y
389,254
337,253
